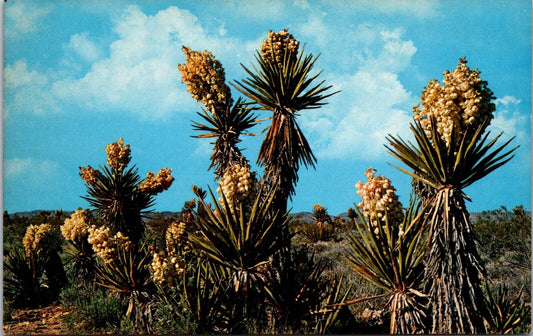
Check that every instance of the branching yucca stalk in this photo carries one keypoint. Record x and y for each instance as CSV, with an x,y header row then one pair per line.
x,y
119,194
453,268
392,260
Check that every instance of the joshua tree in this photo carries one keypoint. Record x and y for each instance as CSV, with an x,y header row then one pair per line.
x,y
205,80
283,84
451,153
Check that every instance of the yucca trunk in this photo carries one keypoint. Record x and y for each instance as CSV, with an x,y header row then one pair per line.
x,y
454,268
408,313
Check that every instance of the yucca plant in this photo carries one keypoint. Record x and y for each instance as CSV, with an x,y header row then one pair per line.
x,y
226,126
122,199
205,78
507,315
241,241
283,83
115,196
302,298
127,276
24,277
80,252
390,255
452,151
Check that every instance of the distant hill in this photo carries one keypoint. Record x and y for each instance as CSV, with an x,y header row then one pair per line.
x,y
303,216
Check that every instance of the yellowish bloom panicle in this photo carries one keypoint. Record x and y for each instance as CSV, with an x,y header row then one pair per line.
x,y
236,183
105,245
166,265
76,227
275,46
463,101
118,155
379,199
89,175
158,183
35,238
175,235
206,80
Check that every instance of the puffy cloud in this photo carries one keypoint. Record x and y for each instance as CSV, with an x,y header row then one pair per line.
x,y
372,102
84,48
17,75
23,18
27,90
509,120
140,75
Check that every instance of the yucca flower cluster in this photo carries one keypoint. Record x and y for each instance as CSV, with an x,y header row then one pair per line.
x,y
118,155
320,215
89,175
205,79
175,235
158,183
105,245
379,200
166,265
236,184
276,45
463,101
76,227
36,237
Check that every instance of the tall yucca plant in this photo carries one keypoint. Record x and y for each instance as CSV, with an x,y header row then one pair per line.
x,y
454,268
392,259
226,126
284,88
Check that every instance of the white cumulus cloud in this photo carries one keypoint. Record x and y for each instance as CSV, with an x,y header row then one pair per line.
x,y
140,74
372,102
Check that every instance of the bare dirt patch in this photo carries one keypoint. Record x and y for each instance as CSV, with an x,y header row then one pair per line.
x,y
42,321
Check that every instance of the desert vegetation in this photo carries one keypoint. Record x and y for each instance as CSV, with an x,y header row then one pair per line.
x,y
235,260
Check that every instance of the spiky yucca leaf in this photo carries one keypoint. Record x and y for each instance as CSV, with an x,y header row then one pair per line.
x,y
392,260
226,127
507,315
438,165
238,238
119,203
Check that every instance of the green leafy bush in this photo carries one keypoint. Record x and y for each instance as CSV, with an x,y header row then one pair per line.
x,y
92,310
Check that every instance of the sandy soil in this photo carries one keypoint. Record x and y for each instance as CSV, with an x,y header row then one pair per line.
x,y
43,321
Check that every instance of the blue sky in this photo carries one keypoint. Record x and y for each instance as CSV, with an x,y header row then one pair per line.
x,y
80,74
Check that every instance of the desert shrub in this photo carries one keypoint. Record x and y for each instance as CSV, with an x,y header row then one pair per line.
x,y
505,246
92,310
